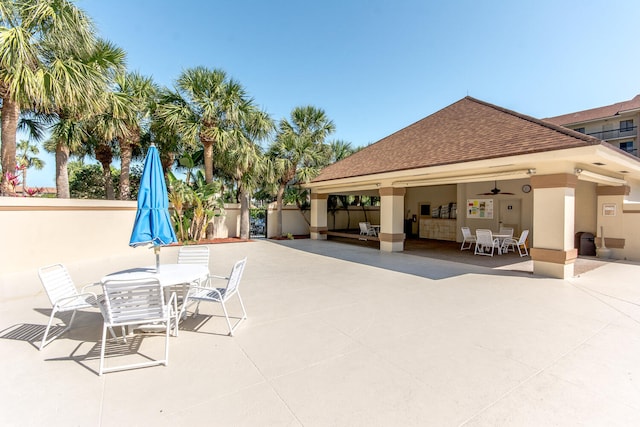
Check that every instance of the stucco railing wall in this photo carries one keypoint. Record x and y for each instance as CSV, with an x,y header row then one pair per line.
x,y
40,231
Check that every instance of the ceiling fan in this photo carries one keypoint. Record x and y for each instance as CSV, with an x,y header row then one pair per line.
x,y
494,191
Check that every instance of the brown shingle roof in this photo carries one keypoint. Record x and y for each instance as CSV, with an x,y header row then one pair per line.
x,y
595,113
467,130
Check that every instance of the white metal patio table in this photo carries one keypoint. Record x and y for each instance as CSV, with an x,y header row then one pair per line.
x,y
169,275
500,238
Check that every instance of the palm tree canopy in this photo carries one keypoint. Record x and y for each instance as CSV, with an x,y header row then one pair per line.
x,y
299,149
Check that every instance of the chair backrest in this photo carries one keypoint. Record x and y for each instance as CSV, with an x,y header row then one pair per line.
x,y
196,254
466,232
363,227
523,237
506,230
128,301
57,282
234,278
484,237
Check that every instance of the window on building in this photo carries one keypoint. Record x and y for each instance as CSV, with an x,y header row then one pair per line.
x,y
581,130
627,146
626,125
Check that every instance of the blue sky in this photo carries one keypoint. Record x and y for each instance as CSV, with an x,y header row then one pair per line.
x,y
377,66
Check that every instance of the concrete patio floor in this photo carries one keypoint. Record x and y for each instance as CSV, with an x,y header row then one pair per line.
x,y
346,335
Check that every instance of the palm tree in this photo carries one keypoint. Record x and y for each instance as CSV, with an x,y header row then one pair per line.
x,y
32,34
299,151
204,106
339,150
243,159
141,92
75,102
27,159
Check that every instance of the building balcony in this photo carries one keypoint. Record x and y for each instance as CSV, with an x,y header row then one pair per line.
x,y
616,133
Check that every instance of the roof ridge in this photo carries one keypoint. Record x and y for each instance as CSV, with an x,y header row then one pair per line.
x,y
619,106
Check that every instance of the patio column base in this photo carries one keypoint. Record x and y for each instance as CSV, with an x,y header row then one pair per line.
x,y
391,242
553,263
318,233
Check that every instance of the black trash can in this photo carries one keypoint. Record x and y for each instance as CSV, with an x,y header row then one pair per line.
x,y
585,243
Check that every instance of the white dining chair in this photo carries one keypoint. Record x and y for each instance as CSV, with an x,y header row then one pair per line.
x,y
193,254
520,243
64,297
137,302
221,295
467,237
485,241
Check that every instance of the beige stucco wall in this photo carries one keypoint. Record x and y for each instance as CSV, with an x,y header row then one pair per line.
x,y
586,217
342,219
293,221
39,231
436,195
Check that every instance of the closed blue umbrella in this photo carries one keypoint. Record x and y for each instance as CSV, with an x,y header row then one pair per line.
x,y
153,224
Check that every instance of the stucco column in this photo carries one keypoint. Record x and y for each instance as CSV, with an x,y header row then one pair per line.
x,y
392,219
554,254
318,228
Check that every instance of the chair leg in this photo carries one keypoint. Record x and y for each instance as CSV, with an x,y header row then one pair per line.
x,y
244,312
226,316
46,331
166,342
104,341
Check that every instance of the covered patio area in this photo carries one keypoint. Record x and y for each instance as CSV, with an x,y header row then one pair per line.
x,y
351,336
477,165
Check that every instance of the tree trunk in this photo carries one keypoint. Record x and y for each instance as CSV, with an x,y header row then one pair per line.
x,y
10,115
24,181
208,161
279,198
244,213
104,155
126,149
62,175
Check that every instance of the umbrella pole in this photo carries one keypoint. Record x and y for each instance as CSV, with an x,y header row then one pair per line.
x,y
156,250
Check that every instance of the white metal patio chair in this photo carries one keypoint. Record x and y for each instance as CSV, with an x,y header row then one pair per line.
x,y
221,295
467,238
137,302
64,297
485,241
520,243
196,254
366,229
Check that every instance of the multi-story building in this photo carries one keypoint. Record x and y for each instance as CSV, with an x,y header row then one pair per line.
x,y
616,123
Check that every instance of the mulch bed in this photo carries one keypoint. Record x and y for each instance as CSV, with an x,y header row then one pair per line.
x,y
214,241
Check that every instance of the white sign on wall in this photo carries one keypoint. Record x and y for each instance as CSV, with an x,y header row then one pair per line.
x,y
480,208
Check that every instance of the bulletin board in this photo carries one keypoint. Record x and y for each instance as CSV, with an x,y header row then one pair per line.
x,y
480,208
